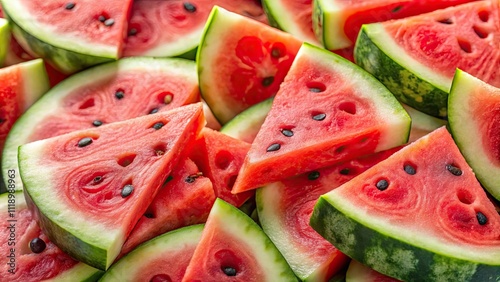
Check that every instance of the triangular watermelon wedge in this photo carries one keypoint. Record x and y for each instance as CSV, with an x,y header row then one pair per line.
x,y
419,215
327,110
90,187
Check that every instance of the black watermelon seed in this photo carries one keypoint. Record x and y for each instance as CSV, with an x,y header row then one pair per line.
x,y
454,170
190,179
119,94
37,245
319,117
97,123
127,190
109,22
481,218
229,271
275,53
314,89
382,184
158,125
267,81
149,215
189,7
313,175
287,132
345,171
273,147
85,142
153,111
101,18
98,179
132,32
397,8
410,169
69,6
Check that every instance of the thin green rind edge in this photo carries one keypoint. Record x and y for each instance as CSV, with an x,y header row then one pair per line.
x,y
390,256
466,131
417,92
64,60
252,233
134,260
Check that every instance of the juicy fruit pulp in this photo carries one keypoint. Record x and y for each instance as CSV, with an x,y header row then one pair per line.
x,y
89,193
419,215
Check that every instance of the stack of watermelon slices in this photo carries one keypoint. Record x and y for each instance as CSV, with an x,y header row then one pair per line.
x,y
149,178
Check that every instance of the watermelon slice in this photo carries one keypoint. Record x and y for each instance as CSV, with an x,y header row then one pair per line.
x,y
20,263
337,22
241,62
220,157
234,248
474,115
183,21
346,114
284,210
21,86
164,258
416,57
186,199
71,35
420,215
358,272
90,187
111,92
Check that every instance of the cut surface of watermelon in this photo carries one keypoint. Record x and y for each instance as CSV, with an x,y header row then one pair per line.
x,y
474,116
336,23
285,208
174,28
241,62
21,264
70,35
416,57
111,92
164,258
186,199
345,114
90,187
419,215
234,248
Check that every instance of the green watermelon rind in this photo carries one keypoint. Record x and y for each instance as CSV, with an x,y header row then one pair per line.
x,y
381,246
466,130
266,197
412,82
4,39
49,103
248,122
133,263
328,25
65,54
79,272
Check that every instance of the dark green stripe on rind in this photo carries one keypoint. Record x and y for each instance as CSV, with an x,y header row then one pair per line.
x,y
408,87
270,17
390,256
64,60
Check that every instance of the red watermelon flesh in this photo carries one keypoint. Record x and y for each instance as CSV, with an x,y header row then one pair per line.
x,y
361,272
155,25
186,199
220,157
465,37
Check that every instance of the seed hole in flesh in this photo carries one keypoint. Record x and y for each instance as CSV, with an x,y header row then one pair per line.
x,y
223,159
159,150
481,218
149,214
382,184
481,33
229,271
273,147
348,107
484,16
98,179
454,170
445,21
69,6
127,190
84,142
126,160
189,7
287,132
316,87
87,104
267,81
318,116
345,171
397,8
278,50
132,32
464,45
161,278
165,97
37,245
119,94
192,178
313,175
97,123
465,197
410,169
